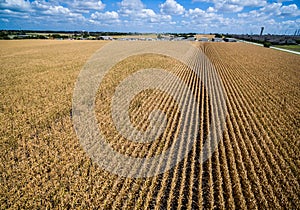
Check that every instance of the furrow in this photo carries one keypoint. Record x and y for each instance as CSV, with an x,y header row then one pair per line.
x,y
256,86
151,194
258,148
281,168
239,199
125,191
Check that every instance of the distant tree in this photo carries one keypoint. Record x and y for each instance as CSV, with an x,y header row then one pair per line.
x,y
58,36
4,35
85,34
267,44
41,37
218,35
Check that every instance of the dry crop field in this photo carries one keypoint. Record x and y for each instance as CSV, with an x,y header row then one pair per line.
x,y
255,165
199,36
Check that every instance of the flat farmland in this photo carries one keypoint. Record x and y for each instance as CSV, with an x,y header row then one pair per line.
x,y
255,165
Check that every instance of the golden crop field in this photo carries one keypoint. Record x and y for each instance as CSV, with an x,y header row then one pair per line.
x,y
199,36
255,165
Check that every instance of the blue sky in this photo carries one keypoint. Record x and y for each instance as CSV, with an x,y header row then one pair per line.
x,y
200,16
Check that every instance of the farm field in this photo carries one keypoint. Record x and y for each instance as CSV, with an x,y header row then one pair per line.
x,y
255,165
198,36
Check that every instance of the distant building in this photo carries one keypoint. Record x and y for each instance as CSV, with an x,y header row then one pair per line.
x,y
291,42
204,39
178,39
217,40
23,36
191,39
105,38
230,40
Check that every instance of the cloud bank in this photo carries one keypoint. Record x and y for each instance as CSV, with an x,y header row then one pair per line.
x,y
232,16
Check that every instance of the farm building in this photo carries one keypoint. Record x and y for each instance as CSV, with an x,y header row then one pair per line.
x,y
191,39
204,39
105,38
217,40
230,40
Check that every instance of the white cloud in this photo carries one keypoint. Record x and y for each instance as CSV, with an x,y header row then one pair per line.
x,y
96,5
244,3
130,6
234,5
150,16
273,8
137,15
274,16
56,10
204,20
147,13
137,12
86,6
284,1
229,7
171,7
278,9
251,14
75,6
15,5
291,10
40,5
211,9
42,9
105,16
198,13
249,3
5,20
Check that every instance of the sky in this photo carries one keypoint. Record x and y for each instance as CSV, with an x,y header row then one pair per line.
x,y
153,16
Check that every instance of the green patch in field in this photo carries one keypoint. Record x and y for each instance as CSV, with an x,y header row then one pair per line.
x,y
289,47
